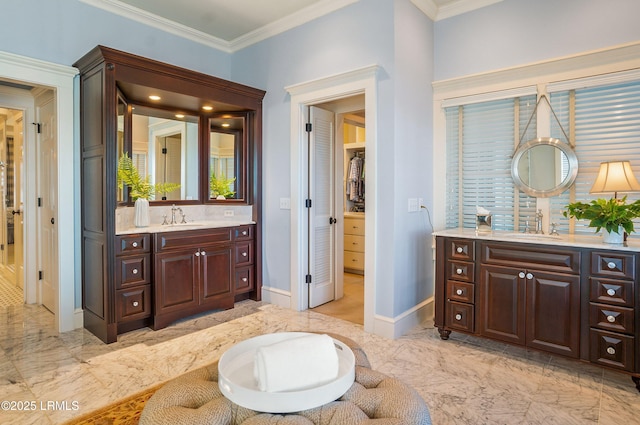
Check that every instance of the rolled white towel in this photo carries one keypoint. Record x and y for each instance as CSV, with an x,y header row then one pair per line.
x,y
296,364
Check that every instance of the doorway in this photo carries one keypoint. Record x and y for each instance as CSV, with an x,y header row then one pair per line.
x,y
349,206
361,81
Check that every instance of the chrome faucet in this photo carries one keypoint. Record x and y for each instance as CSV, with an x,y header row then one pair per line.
x,y
539,223
173,214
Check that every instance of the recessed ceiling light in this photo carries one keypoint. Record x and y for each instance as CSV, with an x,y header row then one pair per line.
x,y
154,97
179,116
208,108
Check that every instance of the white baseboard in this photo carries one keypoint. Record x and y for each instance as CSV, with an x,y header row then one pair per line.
x,y
78,318
395,327
276,296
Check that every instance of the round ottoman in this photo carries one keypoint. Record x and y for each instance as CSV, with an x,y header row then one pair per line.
x,y
374,398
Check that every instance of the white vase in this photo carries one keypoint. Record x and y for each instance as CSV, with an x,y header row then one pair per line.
x,y
141,214
613,237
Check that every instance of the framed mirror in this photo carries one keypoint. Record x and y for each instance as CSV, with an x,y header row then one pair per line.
x,y
544,167
227,158
165,147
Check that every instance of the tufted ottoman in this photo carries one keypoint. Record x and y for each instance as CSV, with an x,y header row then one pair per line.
x,y
374,398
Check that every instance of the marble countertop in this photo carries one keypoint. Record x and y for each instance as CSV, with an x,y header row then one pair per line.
x,y
577,241
194,225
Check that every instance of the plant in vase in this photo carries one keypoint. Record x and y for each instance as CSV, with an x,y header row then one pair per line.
x,y
220,187
615,216
141,189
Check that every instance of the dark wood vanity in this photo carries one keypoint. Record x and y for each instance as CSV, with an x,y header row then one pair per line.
x,y
151,279
577,300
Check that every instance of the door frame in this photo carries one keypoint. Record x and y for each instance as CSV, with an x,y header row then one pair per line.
x,y
60,79
359,81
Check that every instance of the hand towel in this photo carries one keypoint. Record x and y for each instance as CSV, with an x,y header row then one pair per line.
x,y
295,364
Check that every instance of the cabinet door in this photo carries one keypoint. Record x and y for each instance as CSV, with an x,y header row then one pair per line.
x,y
216,279
502,304
176,279
553,312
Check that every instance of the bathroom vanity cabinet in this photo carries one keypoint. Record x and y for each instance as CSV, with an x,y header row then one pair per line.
x,y
217,125
576,298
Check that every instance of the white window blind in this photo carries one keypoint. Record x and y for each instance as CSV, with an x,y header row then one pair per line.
x,y
481,139
607,128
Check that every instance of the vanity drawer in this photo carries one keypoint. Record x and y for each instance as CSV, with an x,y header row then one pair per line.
x,y
461,249
612,318
353,260
243,233
613,264
133,244
618,292
244,280
354,243
531,257
133,303
353,226
191,238
460,291
611,349
458,270
132,270
244,253
460,316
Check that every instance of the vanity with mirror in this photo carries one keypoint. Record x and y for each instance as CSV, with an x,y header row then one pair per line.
x,y
203,135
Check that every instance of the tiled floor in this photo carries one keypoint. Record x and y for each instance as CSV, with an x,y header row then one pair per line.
x,y
464,380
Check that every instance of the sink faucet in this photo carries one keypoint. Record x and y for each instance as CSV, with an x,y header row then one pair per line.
x,y
173,214
539,223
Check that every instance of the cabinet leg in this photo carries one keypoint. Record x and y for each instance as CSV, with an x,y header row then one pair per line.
x,y
444,334
636,380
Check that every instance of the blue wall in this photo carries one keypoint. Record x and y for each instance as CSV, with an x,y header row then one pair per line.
x,y
517,32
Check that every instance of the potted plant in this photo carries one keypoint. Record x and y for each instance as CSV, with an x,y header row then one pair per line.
x,y
141,189
615,216
220,187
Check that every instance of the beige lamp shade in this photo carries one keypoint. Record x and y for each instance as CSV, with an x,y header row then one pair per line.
x,y
615,177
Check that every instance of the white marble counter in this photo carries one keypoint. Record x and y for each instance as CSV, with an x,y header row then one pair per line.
x,y
194,225
577,241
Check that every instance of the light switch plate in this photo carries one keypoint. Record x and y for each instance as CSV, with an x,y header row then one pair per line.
x,y
285,203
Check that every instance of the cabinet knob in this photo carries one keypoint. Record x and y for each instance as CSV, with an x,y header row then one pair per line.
x,y
134,244
611,292
611,265
135,303
134,271
459,250
459,291
198,254
244,279
244,233
529,276
244,254
521,275
611,350
458,271
611,319
458,316
203,253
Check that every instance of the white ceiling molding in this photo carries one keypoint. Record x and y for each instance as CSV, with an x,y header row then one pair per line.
x,y
147,18
448,9
288,22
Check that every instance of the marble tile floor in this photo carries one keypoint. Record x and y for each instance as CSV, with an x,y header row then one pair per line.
x,y
464,380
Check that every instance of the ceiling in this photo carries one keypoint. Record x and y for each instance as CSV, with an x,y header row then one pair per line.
x,y
231,25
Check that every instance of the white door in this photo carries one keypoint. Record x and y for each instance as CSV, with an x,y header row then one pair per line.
x,y
18,202
4,257
47,186
322,212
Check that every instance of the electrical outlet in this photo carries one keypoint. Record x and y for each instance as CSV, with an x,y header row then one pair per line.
x,y
285,203
413,205
228,213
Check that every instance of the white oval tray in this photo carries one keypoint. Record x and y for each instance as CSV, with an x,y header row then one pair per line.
x,y
237,383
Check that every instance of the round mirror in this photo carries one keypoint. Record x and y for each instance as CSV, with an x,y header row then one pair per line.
x,y
544,167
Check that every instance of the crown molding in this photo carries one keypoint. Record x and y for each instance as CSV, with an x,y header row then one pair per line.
x,y
155,21
457,7
288,22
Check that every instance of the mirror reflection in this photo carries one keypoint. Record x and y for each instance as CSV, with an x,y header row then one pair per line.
x,y
121,109
164,146
544,167
226,151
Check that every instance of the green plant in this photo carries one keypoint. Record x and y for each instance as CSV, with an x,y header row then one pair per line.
x,y
609,214
221,186
139,187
